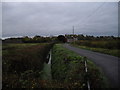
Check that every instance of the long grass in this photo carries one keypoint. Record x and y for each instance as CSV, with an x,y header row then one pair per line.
x,y
68,69
22,64
107,47
106,44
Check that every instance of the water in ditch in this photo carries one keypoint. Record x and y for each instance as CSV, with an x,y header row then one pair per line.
x,y
46,72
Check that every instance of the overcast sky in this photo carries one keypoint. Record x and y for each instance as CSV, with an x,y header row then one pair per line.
x,y
49,18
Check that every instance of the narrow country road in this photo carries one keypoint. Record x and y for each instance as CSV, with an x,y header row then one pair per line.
x,y
108,64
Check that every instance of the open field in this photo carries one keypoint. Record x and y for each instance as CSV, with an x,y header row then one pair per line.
x,y
23,63
114,52
107,47
24,67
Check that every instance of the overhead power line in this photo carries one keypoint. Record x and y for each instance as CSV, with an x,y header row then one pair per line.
x,y
91,14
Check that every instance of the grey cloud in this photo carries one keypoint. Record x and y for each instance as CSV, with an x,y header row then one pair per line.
x,y
58,18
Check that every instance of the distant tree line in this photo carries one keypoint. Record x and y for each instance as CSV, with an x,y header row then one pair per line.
x,y
37,39
26,39
88,37
60,38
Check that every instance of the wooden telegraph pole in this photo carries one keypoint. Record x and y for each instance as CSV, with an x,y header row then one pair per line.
x,y
73,30
73,35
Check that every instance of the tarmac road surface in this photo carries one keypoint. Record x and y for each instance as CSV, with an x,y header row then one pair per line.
x,y
108,63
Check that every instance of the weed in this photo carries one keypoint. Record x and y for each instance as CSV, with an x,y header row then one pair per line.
x,y
22,63
68,68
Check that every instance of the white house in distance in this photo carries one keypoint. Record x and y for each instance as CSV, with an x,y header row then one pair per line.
x,y
71,38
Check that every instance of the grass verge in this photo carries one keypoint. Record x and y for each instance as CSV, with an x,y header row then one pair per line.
x,y
68,69
113,52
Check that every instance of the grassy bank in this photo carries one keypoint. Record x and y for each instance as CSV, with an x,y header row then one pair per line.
x,y
102,46
23,63
69,71
113,52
